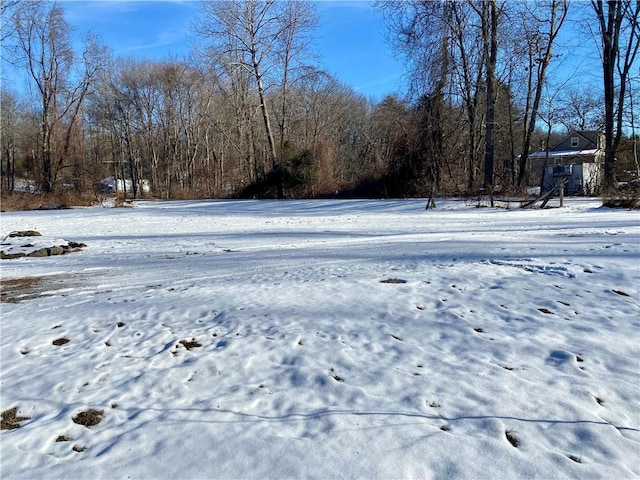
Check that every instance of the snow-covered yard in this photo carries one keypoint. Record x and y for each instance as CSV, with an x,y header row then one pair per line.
x,y
324,339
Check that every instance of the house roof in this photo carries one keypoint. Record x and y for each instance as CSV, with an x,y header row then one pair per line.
x,y
564,153
591,136
590,145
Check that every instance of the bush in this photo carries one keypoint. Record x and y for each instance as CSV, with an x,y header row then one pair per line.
x,y
17,201
628,197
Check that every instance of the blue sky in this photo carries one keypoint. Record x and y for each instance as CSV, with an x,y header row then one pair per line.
x,y
349,38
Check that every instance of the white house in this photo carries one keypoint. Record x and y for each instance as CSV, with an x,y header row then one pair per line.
x,y
111,185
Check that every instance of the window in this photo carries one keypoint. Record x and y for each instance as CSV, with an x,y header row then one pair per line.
x,y
575,141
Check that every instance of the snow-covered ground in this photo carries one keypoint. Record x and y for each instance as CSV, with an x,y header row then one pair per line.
x,y
325,339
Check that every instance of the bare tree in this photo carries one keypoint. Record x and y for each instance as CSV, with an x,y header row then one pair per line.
x,y
8,133
43,47
541,25
581,109
423,32
264,39
619,28
7,21
632,119
299,18
245,35
469,68
468,32
489,18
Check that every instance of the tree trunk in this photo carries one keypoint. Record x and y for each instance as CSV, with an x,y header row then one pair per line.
x,y
47,173
616,58
490,32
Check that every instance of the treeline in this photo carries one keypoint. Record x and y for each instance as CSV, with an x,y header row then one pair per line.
x,y
247,115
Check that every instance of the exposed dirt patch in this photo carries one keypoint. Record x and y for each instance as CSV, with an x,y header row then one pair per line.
x,y
9,419
335,376
88,418
16,290
621,293
513,440
189,344
25,233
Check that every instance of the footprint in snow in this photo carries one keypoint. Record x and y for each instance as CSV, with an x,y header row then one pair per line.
x,y
335,376
558,358
621,293
189,344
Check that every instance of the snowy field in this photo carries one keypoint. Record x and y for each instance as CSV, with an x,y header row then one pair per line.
x,y
324,339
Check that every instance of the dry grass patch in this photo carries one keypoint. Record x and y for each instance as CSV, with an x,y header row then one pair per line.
x,y
628,199
16,290
9,419
88,418
20,201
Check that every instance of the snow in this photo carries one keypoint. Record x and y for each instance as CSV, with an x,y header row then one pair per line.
x,y
563,153
28,245
309,366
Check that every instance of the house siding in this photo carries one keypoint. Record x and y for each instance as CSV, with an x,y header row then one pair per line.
x,y
584,180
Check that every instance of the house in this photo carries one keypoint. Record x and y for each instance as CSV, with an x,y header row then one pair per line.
x,y
111,185
577,159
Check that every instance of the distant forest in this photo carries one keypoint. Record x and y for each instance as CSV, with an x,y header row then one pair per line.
x,y
246,115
